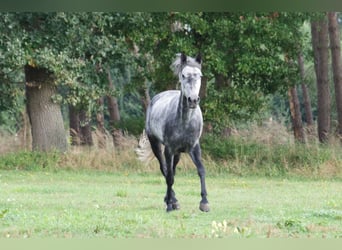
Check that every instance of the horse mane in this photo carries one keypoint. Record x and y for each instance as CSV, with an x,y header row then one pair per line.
x,y
177,65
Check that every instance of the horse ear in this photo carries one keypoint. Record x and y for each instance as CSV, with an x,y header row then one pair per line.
x,y
198,58
183,58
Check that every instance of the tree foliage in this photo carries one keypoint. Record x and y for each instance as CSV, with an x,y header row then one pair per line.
x,y
246,55
249,52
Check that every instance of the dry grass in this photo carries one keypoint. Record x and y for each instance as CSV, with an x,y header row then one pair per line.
x,y
11,143
270,133
273,149
269,149
107,157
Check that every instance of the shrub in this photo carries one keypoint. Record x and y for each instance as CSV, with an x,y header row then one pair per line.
x,y
132,125
240,156
25,160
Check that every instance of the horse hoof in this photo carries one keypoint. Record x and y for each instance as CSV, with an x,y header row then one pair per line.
x,y
204,207
169,208
175,205
172,206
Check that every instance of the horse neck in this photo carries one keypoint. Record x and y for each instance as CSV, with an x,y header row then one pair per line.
x,y
183,111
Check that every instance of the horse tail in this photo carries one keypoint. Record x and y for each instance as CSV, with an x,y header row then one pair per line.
x,y
144,150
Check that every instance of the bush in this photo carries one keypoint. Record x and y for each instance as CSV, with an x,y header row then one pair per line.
x,y
228,149
239,156
132,125
25,160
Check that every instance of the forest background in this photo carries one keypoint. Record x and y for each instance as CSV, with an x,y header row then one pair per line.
x,y
271,91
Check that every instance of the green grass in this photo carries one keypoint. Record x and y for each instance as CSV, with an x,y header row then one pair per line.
x,y
100,204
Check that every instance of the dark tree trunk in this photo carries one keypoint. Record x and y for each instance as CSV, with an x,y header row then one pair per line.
x,y
145,96
306,96
113,108
26,131
319,31
85,128
221,81
100,124
221,84
334,34
296,115
45,116
74,124
203,89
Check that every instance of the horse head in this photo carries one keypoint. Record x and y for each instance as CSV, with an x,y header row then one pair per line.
x,y
189,73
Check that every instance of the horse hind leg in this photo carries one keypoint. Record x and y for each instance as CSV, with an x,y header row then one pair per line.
x,y
156,149
176,159
175,203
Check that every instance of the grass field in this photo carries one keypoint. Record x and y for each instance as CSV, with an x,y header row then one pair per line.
x,y
102,204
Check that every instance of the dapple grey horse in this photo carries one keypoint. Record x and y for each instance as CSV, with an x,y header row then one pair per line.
x,y
175,120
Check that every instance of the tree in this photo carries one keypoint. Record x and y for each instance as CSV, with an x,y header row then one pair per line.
x,y
296,115
27,32
242,56
44,113
335,46
113,108
71,49
306,96
12,87
100,124
85,127
319,31
74,125
45,116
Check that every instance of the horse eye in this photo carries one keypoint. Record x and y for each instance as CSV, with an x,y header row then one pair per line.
x,y
183,76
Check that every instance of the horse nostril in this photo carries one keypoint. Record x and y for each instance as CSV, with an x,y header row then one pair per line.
x,y
193,101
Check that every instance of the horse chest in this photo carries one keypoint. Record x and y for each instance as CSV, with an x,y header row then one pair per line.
x,y
182,137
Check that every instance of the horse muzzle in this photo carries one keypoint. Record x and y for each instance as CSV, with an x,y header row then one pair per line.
x,y
193,102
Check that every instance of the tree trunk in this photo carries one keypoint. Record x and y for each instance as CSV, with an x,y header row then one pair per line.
x,y
25,131
145,96
85,128
334,34
100,125
296,115
221,81
203,89
306,96
319,31
113,108
45,116
74,124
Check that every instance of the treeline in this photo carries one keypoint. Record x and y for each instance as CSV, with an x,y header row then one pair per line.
x,y
95,63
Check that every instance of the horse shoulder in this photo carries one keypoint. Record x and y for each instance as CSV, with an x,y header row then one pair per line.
x,y
161,111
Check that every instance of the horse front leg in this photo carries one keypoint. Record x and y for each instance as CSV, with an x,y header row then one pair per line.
x,y
195,155
170,199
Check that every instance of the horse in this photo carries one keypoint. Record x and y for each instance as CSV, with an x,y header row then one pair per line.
x,y
174,119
